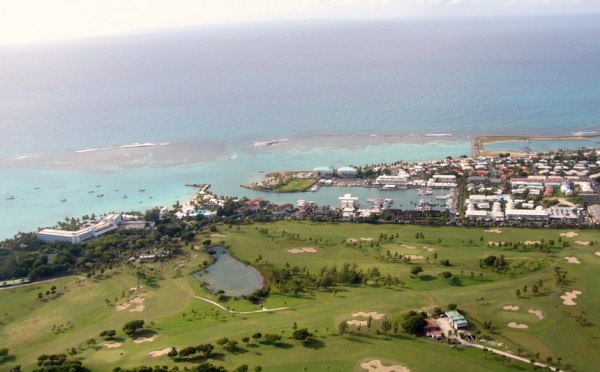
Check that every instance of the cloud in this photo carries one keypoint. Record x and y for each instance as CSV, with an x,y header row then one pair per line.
x,y
25,21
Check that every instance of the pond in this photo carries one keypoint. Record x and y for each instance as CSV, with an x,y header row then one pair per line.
x,y
229,275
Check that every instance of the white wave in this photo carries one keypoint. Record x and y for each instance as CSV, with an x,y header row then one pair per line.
x,y
438,135
585,133
147,144
87,150
25,157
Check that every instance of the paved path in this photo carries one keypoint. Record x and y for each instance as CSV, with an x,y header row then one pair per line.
x,y
445,327
263,310
500,352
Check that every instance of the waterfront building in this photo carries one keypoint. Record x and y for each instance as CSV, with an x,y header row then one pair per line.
x,y
323,171
105,225
347,172
398,181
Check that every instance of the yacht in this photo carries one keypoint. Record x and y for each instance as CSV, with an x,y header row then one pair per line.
x,y
10,197
142,190
124,196
63,200
99,195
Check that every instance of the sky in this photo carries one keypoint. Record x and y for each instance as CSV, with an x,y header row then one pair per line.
x,y
34,21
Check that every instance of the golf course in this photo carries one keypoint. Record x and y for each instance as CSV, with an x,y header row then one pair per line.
x,y
531,293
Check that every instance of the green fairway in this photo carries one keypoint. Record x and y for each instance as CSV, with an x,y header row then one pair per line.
x,y
81,308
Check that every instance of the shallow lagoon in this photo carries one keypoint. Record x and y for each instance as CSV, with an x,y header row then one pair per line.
x,y
230,275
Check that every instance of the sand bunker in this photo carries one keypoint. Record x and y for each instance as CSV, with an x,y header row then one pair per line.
x,y
408,246
157,353
494,231
582,242
495,243
511,307
138,300
597,253
111,345
568,298
217,235
517,325
302,250
537,313
572,260
376,366
366,239
140,340
531,242
351,240
429,249
132,289
413,257
357,323
122,307
137,309
569,234
374,314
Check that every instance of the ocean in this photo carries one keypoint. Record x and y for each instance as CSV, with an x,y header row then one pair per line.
x,y
217,104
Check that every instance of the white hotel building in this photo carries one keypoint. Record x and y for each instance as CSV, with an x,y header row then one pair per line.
x,y
105,225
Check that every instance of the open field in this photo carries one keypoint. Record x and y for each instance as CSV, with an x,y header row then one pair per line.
x,y
82,308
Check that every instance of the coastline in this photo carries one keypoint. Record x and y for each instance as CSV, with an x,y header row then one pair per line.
x,y
478,143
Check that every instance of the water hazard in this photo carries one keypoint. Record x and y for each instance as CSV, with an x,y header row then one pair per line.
x,y
230,275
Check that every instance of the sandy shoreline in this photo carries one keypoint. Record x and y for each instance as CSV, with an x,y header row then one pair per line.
x,y
479,143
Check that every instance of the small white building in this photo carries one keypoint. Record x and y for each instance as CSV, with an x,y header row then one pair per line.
x,y
349,202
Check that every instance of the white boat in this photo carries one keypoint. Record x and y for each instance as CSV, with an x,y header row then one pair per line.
x,y
99,195
428,192
90,191
63,200
300,203
124,196
142,190
36,188
10,197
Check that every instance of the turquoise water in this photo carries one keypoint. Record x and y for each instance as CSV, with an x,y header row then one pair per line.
x,y
230,275
328,93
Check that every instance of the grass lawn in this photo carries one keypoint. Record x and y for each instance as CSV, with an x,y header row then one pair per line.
x,y
82,308
296,184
